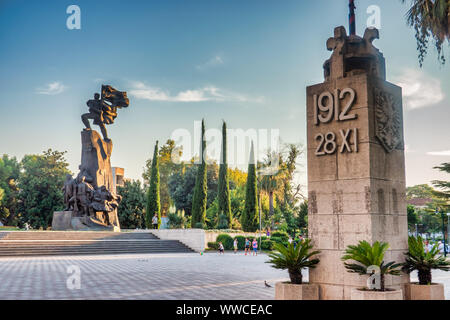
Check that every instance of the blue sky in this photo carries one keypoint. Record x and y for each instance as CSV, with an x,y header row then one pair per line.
x,y
245,61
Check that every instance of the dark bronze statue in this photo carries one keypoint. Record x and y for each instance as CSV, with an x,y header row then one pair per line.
x,y
104,110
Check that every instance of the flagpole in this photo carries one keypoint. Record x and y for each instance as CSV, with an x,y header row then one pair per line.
x,y
352,17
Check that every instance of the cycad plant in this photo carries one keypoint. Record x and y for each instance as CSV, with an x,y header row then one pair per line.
x,y
294,259
367,256
422,260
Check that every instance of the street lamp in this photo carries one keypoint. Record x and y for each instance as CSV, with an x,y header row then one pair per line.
x,y
443,230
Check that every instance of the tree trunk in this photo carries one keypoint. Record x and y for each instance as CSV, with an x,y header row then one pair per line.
x,y
296,277
382,282
424,277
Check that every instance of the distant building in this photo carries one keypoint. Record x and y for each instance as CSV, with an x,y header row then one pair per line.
x,y
419,203
118,177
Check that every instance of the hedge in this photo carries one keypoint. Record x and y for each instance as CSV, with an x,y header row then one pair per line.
x,y
267,245
226,240
280,234
213,245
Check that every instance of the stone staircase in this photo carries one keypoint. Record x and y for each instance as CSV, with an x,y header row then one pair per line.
x,y
51,243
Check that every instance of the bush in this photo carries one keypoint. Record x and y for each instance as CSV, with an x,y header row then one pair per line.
x,y
280,234
213,245
226,240
241,242
279,240
267,244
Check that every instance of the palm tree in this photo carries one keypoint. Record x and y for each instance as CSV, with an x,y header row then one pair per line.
x,y
271,175
430,19
422,260
294,259
367,256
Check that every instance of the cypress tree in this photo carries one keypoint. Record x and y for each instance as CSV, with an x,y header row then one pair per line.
x,y
224,184
250,218
153,197
201,188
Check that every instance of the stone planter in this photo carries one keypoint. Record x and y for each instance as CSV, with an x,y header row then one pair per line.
x,y
416,291
289,291
358,294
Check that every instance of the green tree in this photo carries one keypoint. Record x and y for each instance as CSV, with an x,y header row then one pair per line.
x,y
423,191
40,186
443,191
413,217
9,176
167,168
224,184
431,22
153,197
249,218
199,199
131,208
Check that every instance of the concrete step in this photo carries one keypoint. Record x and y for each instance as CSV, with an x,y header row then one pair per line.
x,y
48,243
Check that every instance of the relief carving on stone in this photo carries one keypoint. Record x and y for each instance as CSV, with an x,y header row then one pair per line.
x,y
388,120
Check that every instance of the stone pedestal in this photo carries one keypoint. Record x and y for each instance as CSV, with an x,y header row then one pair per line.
x,y
289,291
67,220
415,291
356,166
357,294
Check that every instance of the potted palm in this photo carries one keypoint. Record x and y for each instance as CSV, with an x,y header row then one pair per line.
x,y
423,260
294,258
369,259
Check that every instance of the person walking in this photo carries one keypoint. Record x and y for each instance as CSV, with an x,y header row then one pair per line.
x,y
155,221
255,247
235,245
247,246
221,249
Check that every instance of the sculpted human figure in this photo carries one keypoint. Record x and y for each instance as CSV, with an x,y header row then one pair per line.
x,y
103,110
84,195
69,190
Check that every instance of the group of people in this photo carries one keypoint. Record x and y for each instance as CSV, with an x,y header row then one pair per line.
x,y
250,247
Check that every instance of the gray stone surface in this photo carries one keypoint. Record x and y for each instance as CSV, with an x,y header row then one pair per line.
x,y
158,276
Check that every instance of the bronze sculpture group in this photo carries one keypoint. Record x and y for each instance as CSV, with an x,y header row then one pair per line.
x,y
91,195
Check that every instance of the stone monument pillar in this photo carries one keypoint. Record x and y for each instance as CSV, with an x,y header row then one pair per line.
x,y
356,165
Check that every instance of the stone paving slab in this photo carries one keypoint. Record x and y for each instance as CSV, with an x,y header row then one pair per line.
x,y
141,276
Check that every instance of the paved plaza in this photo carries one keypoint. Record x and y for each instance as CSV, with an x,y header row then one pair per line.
x,y
152,276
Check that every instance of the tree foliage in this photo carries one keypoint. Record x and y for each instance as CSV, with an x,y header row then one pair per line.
x,y
153,196
40,186
224,184
131,208
9,177
250,218
431,22
199,199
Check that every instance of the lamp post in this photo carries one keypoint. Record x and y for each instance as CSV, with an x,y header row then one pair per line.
x,y
443,231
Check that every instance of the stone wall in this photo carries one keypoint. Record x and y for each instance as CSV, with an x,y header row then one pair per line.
x,y
193,238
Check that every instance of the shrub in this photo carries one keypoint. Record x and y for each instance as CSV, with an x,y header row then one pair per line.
x,y
267,244
213,245
369,256
280,241
294,259
241,242
418,259
280,234
226,240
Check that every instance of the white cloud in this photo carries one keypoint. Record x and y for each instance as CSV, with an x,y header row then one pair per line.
x,y
445,153
52,88
209,93
419,89
213,62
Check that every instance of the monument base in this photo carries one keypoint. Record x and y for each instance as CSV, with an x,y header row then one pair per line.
x,y
66,220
